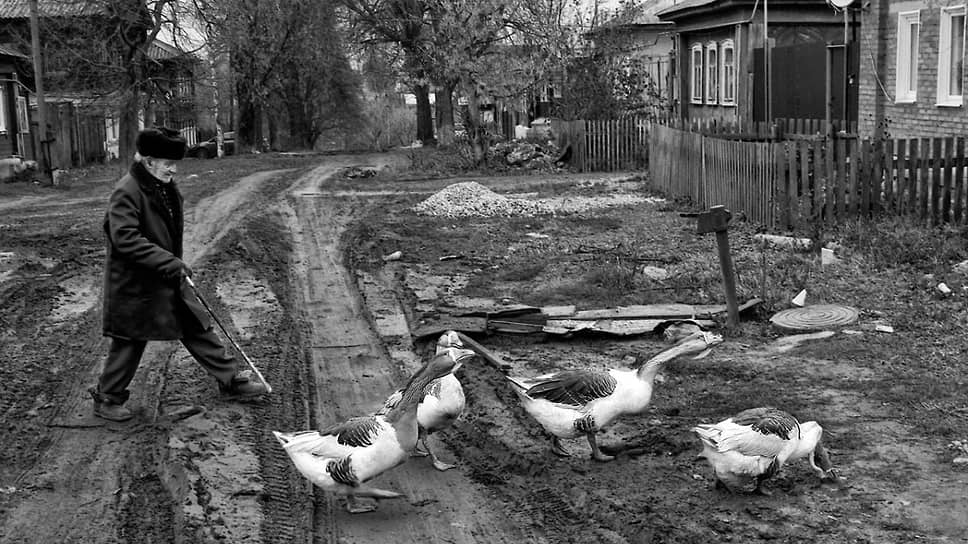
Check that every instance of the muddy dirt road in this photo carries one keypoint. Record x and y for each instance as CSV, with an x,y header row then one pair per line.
x,y
279,252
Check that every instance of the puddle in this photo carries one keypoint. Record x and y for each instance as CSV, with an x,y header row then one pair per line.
x,y
78,295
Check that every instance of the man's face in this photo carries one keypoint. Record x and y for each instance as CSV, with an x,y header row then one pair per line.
x,y
163,169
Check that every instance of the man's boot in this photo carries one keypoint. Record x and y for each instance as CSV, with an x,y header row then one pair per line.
x,y
105,409
242,386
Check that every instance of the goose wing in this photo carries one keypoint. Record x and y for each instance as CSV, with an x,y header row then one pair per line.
x,y
574,387
357,432
758,432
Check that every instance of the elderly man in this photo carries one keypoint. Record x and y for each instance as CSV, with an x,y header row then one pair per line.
x,y
145,293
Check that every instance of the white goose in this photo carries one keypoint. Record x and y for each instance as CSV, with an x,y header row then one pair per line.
x,y
572,403
343,457
750,447
442,403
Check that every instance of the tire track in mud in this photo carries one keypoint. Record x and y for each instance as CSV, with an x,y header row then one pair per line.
x,y
353,374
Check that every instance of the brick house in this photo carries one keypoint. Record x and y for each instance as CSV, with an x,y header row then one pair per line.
x,y
913,77
726,72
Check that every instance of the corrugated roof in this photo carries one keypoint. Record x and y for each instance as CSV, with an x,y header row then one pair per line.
x,y
20,9
7,51
649,10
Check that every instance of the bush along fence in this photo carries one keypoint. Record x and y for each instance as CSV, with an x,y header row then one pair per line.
x,y
603,145
809,181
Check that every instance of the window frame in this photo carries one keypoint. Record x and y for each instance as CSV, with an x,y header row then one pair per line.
x,y
23,114
945,58
725,81
907,64
696,83
4,114
711,87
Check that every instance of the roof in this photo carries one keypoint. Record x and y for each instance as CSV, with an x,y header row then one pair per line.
x,y
8,51
20,9
650,9
686,4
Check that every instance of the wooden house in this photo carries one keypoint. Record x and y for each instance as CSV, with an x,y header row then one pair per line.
x,y
913,80
84,77
754,61
14,96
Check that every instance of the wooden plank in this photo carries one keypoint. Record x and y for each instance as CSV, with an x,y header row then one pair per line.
x,y
877,176
853,184
841,186
864,180
793,192
949,144
936,165
911,206
960,191
900,193
806,185
889,176
817,183
829,177
782,213
924,183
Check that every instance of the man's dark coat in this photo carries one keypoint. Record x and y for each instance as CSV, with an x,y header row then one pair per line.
x,y
145,297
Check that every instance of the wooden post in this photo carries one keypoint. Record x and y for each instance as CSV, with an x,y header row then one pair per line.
x,y
38,59
717,220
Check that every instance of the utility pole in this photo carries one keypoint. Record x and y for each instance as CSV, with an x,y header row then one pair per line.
x,y
38,59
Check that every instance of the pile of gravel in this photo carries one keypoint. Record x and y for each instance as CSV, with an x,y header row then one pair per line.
x,y
471,199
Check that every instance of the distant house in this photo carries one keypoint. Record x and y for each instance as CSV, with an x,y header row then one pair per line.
x,y
727,70
914,78
14,97
76,38
647,44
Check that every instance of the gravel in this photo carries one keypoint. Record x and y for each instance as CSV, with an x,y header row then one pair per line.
x,y
471,199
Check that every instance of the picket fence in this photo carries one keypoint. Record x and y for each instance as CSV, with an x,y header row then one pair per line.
x,y
604,145
808,181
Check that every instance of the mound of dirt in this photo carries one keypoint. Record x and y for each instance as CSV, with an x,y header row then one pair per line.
x,y
471,199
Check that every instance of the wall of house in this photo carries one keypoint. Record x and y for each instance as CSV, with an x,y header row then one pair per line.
x,y
705,109
879,110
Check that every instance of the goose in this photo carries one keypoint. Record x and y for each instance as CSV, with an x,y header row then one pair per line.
x,y
753,445
572,403
442,403
344,456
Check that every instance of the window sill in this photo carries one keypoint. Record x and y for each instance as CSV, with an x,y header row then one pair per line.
x,y
949,104
906,101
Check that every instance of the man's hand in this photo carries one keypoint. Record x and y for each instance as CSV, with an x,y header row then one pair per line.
x,y
176,269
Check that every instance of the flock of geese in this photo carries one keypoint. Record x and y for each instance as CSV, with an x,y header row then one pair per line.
x,y
743,450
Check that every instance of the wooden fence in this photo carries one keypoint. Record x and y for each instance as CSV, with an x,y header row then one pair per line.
x,y
604,146
801,182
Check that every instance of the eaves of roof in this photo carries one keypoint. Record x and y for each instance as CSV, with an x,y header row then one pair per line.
x,y
20,9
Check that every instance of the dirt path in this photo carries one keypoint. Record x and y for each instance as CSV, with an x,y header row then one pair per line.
x,y
91,473
353,375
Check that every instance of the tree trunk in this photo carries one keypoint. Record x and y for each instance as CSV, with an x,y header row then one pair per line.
x,y
445,114
425,121
473,125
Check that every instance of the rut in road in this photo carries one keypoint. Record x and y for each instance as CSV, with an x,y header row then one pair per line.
x,y
353,375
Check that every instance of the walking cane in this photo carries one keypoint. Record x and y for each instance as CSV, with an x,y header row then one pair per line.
x,y
227,335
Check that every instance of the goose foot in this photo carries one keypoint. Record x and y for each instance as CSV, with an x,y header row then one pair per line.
x,y
558,449
442,466
597,453
356,506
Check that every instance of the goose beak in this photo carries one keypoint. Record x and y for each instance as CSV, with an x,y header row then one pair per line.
x,y
461,355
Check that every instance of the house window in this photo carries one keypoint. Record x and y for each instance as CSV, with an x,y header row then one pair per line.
x,y
3,110
712,74
908,30
951,56
696,84
728,59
